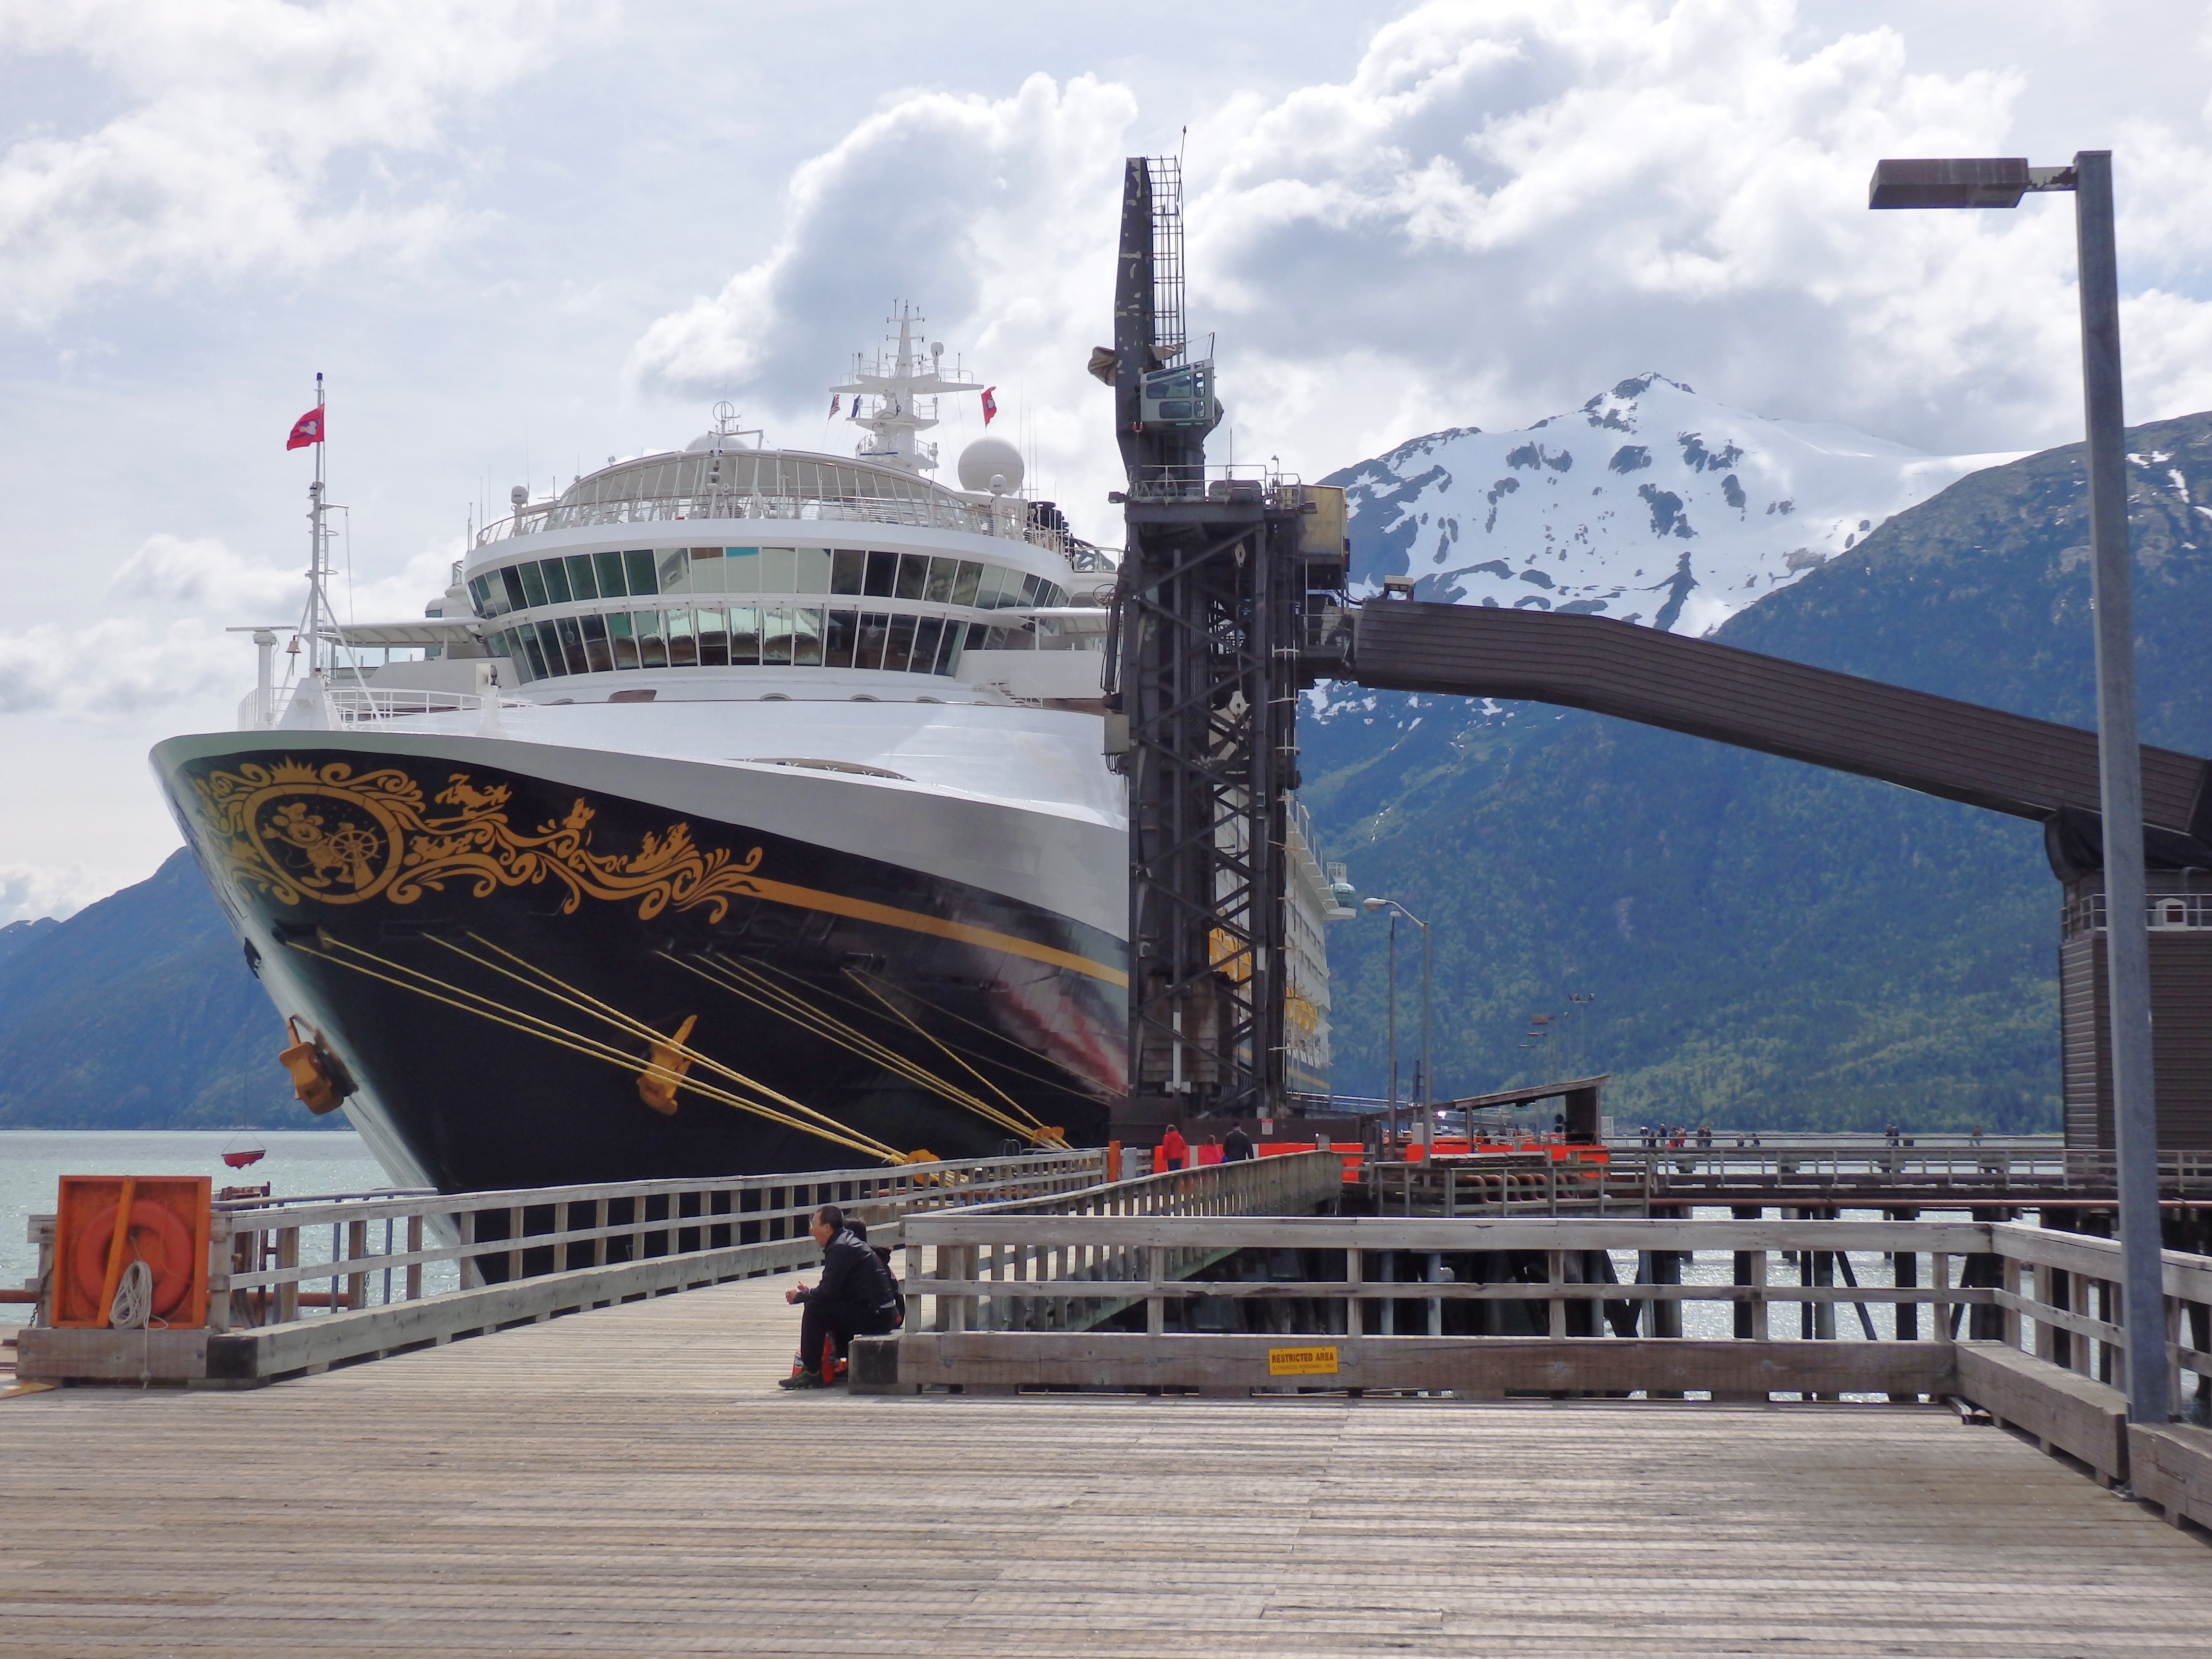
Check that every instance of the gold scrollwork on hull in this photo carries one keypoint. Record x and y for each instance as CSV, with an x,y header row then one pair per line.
x,y
301,832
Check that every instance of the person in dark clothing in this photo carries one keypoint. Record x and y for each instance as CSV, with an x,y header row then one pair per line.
x,y
1236,1145
856,1296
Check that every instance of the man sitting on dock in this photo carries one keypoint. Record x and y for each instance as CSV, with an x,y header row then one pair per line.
x,y
857,1297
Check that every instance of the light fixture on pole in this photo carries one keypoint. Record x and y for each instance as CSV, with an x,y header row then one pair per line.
x,y
2000,182
1428,1076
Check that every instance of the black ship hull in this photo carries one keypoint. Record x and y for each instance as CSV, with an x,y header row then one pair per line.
x,y
490,950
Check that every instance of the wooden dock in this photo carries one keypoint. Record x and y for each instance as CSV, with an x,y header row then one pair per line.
x,y
628,1480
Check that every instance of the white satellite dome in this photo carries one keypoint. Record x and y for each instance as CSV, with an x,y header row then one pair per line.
x,y
990,464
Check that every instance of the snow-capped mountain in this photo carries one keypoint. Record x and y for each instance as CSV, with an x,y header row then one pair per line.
x,y
1649,503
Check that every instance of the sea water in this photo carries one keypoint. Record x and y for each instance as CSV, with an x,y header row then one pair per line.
x,y
300,1163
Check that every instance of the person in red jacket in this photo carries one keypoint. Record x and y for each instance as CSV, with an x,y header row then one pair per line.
x,y
1173,1150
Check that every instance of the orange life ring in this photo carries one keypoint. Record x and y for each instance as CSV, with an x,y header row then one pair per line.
x,y
156,1238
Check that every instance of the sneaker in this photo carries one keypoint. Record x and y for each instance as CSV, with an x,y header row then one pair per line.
x,y
802,1380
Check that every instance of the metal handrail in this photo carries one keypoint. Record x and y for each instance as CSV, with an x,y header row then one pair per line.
x,y
929,512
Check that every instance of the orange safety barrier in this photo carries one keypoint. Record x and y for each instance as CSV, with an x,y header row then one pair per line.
x,y
103,1223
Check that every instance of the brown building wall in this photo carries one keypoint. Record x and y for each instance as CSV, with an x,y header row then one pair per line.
x,y
2181,1037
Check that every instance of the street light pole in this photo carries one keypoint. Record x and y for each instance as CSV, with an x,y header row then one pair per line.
x,y
1392,1025
2119,764
1428,1076
2000,182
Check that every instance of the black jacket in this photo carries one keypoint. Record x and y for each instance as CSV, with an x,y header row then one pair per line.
x,y
853,1273
1236,1145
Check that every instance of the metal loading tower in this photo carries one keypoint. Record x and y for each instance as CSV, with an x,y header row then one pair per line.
x,y
1203,676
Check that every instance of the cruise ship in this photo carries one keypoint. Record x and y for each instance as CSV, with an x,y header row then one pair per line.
x,y
737,809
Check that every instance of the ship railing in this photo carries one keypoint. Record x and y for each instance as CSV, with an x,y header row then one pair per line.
x,y
928,512
351,707
1217,481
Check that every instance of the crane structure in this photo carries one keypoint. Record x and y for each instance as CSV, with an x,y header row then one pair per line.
x,y
1203,668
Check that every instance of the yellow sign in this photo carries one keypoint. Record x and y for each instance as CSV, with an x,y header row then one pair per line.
x,y
1301,1362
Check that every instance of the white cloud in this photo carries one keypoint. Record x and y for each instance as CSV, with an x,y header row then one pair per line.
x,y
1503,206
120,666
165,646
995,217
233,114
1532,198
29,891
976,207
207,575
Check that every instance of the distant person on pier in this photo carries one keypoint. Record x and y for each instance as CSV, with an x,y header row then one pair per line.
x,y
1236,1145
856,1296
1173,1150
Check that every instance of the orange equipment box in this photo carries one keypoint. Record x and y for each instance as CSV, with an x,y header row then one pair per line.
x,y
104,1222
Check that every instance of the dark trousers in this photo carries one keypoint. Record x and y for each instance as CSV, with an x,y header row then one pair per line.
x,y
840,1323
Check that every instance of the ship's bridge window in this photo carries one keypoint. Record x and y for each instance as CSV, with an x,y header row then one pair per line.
x,y
741,623
640,573
745,636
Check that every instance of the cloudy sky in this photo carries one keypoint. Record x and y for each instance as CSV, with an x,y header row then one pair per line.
x,y
522,235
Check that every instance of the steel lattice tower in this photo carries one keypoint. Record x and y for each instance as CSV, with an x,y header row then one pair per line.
x,y
1204,672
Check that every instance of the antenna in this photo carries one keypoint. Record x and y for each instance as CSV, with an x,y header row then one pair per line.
x,y
318,546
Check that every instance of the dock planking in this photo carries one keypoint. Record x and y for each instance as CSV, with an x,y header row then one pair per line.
x,y
629,1481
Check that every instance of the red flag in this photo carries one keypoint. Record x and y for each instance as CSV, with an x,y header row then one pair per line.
x,y
990,405
308,429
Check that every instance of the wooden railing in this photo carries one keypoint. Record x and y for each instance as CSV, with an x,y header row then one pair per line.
x,y
396,1270
1492,1305
1565,1180
1291,1184
2087,1172
1533,1183
379,1246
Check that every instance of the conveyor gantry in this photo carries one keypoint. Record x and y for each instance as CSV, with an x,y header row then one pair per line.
x,y
1954,750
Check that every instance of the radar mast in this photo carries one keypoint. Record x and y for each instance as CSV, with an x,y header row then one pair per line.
x,y
897,389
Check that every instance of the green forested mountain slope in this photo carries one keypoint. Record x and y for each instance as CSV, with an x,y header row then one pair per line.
x,y
138,1013
1768,943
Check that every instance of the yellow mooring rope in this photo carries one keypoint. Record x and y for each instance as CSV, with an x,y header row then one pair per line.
x,y
584,1002
1090,1097
1042,1135
545,1031
741,980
